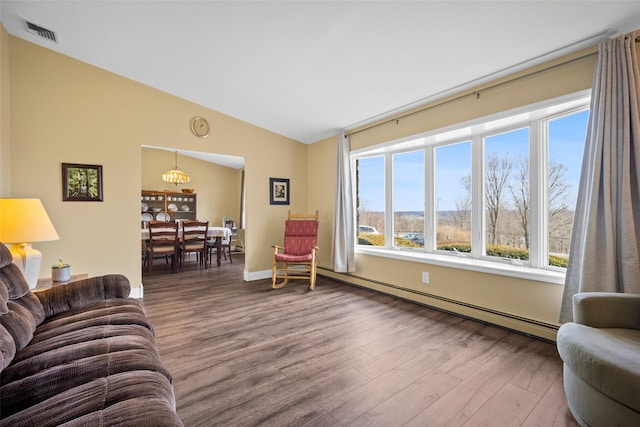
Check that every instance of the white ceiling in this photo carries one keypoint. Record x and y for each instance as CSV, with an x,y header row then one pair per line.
x,y
308,69
234,162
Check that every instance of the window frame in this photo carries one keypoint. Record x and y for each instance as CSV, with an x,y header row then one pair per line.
x,y
536,118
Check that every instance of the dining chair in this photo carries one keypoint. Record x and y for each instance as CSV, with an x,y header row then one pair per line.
x,y
226,243
225,246
143,247
163,241
236,239
194,240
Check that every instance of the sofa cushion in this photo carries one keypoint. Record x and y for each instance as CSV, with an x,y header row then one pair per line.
x,y
4,297
136,412
7,348
83,293
13,279
7,344
25,314
61,352
20,310
28,391
5,256
605,358
130,398
81,337
109,312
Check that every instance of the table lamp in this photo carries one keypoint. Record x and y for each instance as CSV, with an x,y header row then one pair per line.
x,y
22,222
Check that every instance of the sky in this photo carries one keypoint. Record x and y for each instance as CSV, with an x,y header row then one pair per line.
x,y
453,162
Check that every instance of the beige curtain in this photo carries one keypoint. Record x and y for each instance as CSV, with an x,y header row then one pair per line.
x,y
605,253
343,248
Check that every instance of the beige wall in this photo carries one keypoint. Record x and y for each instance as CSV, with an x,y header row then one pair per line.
x,y
63,110
217,187
448,287
5,165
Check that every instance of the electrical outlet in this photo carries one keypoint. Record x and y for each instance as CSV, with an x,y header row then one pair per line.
x,y
425,277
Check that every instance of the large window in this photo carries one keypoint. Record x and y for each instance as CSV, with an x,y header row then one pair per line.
x,y
408,199
453,197
370,202
506,194
566,142
501,189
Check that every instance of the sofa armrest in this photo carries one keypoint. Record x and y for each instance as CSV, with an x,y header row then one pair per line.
x,y
607,310
81,293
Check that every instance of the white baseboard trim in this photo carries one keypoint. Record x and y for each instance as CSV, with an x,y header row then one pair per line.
x,y
137,292
257,275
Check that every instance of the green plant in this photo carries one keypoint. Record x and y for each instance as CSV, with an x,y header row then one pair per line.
x,y
60,264
558,261
460,247
492,250
371,239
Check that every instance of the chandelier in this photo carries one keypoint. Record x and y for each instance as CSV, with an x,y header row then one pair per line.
x,y
175,175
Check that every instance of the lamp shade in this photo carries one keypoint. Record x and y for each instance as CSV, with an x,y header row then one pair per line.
x,y
175,175
25,221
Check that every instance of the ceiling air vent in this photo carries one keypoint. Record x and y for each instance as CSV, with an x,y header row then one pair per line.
x,y
41,32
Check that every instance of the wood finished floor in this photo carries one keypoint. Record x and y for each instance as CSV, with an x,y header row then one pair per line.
x,y
242,354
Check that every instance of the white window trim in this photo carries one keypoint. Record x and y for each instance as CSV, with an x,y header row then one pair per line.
x,y
463,263
535,268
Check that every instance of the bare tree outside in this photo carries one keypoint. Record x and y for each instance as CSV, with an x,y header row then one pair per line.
x,y
560,213
520,192
462,214
498,170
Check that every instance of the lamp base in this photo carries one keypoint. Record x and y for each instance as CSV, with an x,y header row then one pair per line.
x,y
28,261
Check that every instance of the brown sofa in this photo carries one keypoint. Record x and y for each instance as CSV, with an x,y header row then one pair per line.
x,y
81,354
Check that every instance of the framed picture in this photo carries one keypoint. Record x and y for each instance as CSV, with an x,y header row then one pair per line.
x,y
278,191
81,183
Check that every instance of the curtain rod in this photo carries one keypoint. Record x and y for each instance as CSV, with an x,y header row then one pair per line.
x,y
475,93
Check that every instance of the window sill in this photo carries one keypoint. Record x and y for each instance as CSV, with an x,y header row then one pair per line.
x,y
478,265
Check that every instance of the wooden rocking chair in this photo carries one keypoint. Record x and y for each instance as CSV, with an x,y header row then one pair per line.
x,y
298,258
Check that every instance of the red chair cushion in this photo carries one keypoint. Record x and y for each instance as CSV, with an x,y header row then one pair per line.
x,y
300,236
293,258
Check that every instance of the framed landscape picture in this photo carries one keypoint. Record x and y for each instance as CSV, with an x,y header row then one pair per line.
x,y
278,191
81,183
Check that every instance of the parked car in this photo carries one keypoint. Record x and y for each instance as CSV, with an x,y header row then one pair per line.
x,y
414,237
367,229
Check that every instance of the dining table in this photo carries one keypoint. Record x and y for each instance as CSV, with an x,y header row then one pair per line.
x,y
217,233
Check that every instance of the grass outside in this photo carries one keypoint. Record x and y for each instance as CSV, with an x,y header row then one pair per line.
x,y
499,251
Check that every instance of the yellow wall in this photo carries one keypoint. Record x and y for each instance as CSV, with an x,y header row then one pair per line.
x,y
217,187
449,286
63,110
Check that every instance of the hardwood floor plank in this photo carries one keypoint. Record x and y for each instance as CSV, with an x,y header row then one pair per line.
x,y
351,405
540,372
473,352
406,404
552,409
457,406
509,406
243,354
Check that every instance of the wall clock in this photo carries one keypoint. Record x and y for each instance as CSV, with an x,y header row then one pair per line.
x,y
199,127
